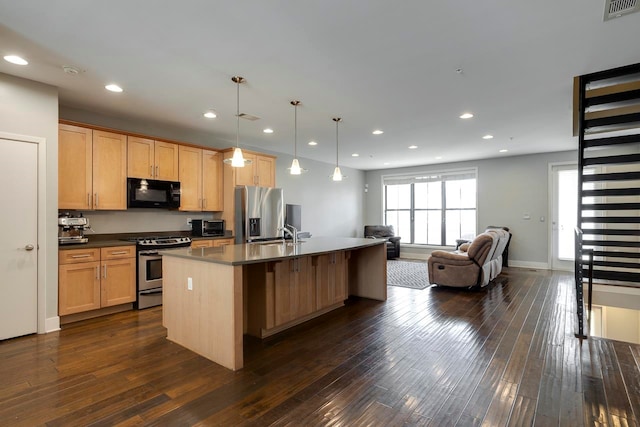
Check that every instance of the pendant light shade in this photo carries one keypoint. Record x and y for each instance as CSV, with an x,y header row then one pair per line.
x,y
295,168
238,160
337,174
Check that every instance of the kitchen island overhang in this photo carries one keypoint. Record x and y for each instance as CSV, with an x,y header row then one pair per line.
x,y
212,296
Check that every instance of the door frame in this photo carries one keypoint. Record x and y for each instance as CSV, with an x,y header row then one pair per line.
x,y
41,240
550,204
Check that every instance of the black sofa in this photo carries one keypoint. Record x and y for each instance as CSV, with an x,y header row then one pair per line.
x,y
384,232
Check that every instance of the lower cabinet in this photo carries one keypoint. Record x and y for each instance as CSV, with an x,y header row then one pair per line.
x,y
294,290
89,279
210,243
285,293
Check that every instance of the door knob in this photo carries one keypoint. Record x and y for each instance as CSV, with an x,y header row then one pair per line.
x,y
29,247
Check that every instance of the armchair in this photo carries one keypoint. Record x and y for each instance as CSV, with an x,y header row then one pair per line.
x,y
474,264
384,232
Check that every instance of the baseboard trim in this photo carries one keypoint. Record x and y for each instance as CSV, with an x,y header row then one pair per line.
x,y
51,324
529,264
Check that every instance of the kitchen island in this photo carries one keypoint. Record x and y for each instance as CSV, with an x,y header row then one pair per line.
x,y
212,296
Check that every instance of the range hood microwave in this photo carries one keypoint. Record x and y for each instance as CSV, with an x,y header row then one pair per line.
x,y
151,193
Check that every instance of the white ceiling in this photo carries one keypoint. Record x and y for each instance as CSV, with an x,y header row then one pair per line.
x,y
376,63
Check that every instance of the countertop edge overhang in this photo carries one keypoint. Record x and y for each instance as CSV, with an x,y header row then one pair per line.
x,y
252,253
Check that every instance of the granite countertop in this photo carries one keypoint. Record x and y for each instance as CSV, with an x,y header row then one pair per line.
x,y
251,253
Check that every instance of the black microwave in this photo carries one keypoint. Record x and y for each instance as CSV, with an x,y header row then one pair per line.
x,y
151,193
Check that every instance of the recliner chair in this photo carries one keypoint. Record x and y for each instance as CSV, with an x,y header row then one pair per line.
x,y
475,264
384,232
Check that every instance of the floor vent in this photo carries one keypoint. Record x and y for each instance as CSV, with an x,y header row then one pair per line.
x,y
617,8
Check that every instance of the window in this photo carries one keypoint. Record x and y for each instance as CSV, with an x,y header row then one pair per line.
x,y
432,209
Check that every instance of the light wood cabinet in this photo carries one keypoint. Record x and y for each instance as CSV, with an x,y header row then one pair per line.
x,y
200,179
294,290
92,169
281,294
211,243
330,275
261,172
75,167
89,279
152,159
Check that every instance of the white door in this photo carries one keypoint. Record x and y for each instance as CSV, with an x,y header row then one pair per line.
x,y
564,182
18,246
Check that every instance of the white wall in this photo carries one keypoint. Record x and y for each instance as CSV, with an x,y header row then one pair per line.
x,y
328,208
31,108
508,187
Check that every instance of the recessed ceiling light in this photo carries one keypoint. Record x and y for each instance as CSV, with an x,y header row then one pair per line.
x,y
268,130
355,155
313,143
413,147
466,116
439,158
503,150
210,114
17,60
487,137
113,88
377,132
14,59
385,163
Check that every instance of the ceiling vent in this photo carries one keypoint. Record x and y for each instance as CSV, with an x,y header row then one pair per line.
x,y
616,8
248,117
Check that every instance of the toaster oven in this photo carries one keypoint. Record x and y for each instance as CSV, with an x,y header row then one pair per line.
x,y
205,228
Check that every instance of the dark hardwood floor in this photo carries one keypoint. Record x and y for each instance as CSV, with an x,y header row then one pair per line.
x,y
504,355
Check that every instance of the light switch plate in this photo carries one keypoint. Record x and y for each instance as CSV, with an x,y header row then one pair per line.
x,y
189,283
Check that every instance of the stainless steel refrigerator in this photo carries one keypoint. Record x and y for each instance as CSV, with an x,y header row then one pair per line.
x,y
259,213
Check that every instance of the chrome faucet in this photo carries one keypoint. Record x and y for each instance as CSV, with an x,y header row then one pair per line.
x,y
293,234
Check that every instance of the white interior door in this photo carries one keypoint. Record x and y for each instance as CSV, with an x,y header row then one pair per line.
x,y
564,182
19,243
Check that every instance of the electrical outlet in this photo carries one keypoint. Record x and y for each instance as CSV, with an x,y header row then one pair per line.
x,y
188,221
189,283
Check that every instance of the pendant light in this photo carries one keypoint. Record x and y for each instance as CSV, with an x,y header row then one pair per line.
x,y
238,160
295,168
337,174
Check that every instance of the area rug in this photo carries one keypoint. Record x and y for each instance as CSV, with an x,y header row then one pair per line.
x,y
407,274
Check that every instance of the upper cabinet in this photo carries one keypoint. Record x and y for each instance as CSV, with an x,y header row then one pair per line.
x,y
200,179
152,159
92,169
260,172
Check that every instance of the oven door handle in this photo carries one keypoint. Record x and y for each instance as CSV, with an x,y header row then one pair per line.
x,y
149,253
151,292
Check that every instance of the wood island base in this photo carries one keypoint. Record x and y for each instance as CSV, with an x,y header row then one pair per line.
x,y
208,305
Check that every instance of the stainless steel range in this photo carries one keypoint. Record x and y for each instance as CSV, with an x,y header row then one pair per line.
x,y
149,283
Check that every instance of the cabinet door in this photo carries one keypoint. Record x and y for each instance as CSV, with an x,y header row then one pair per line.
x,y
202,244
211,180
79,287
140,157
330,279
109,171
166,161
118,284
190,178
294,290
266,171
75,167
246,175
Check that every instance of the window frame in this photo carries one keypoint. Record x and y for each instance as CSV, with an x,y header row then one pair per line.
x,y
413,178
